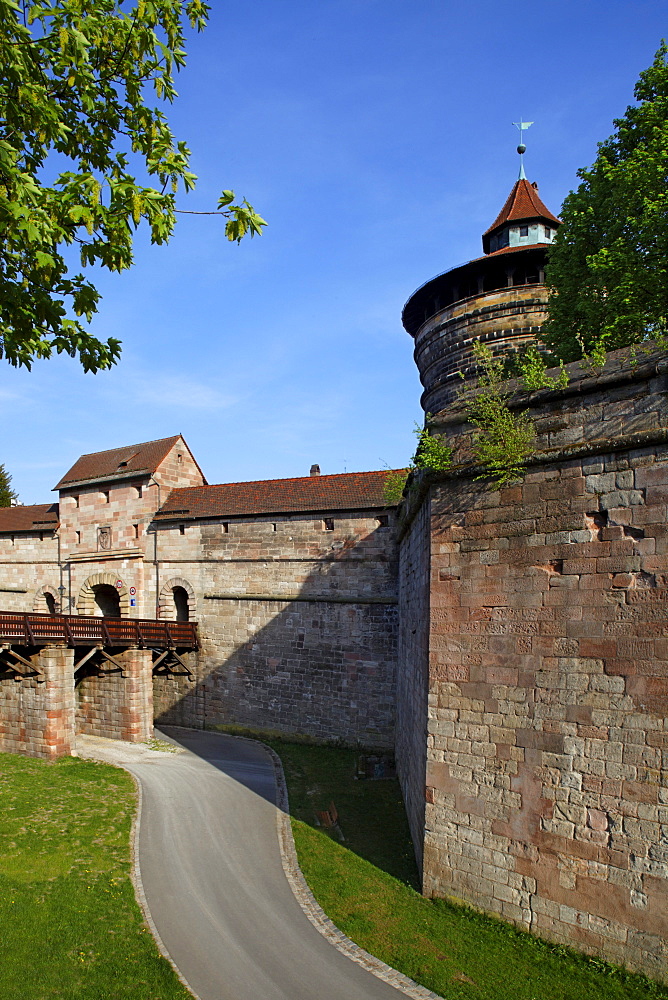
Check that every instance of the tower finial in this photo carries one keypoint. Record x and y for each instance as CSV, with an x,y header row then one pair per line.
x,y
521,149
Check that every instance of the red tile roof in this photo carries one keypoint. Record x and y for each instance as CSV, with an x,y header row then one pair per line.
x,y
345,491
38,517
137,458
518,249
521,204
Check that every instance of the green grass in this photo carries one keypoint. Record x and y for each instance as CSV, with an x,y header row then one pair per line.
x,y
70,926
366,885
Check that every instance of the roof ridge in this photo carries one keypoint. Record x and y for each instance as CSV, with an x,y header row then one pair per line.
x,y
125,447
29,506
289,479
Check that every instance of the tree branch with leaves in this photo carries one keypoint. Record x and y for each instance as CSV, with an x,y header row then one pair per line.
x,y
75,132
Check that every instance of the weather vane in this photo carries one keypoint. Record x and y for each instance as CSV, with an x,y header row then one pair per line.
x,y
521,149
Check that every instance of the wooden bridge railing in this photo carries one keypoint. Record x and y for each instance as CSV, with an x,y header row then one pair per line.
x,y
18,629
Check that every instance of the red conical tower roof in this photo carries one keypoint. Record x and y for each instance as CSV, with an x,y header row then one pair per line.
x,y
522,205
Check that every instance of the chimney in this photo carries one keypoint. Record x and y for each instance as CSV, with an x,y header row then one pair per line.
x,y
315,470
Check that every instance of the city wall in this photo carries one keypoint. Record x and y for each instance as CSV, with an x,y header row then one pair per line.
x,y
297,625
546,791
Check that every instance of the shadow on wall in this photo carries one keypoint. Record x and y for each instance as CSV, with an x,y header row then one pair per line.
x,y
320,664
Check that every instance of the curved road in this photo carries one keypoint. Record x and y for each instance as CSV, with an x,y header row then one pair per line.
x,y
213,879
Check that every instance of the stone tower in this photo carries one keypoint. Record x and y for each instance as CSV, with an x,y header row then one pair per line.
x,y
499,298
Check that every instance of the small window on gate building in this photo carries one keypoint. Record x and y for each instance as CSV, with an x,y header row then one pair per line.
x,y
329,523
383,521
181,604
182,529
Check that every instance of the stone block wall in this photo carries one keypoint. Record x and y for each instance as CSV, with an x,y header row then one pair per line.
x,y
115,706
28,562
321,669
297,624
547,751
37,710
413,668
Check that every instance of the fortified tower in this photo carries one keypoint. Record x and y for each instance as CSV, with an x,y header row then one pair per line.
x,y
499,298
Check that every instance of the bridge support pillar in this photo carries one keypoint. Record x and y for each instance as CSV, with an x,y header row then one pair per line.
x,y
37,706
137,714
53,735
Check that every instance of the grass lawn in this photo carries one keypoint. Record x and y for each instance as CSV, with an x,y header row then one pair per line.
x,y
367,886
71,928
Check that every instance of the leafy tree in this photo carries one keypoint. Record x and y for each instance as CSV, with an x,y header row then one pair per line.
x,y
608,266
7,495
75,129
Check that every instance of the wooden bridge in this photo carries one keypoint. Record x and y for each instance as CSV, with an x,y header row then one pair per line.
x,y
19,629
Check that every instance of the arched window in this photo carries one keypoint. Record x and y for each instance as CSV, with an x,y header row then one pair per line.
x,y
181,610
46,601
177,601
107,601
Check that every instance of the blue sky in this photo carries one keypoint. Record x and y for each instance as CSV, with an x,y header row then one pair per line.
x,y
376,138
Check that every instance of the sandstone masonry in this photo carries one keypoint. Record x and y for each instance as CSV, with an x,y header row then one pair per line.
x,y
546,741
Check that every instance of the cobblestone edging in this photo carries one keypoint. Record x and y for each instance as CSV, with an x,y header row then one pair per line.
x,y
315,913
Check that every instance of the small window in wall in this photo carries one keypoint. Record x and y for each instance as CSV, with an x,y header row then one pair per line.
x,y
383,521
50,603
135,528
226,527
41,536
105,496
329,523
181,609
179,459
76,501
273,527
78,534
140,492
182,529
524,230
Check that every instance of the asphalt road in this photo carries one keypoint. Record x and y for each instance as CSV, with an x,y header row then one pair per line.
x,y
212,875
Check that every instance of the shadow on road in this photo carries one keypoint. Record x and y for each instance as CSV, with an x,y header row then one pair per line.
x,y
371,819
